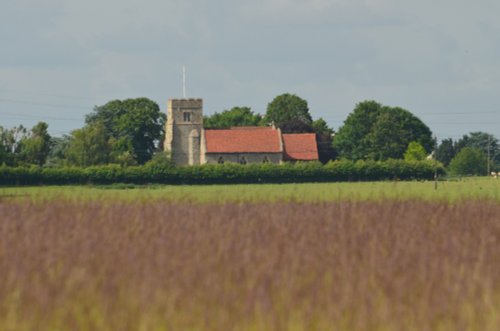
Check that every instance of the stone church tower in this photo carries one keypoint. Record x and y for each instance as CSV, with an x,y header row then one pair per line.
x,y
184,130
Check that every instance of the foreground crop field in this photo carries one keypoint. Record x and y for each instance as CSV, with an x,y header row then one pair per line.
x,y
72,263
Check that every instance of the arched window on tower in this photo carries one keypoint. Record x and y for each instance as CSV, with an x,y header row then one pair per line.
x,y
187,116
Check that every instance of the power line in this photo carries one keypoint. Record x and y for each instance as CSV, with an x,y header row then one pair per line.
x,y
17,115
42,104
459,123
57,95
461,113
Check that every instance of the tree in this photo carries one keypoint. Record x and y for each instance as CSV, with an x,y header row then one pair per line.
x,y
446,151
351,139
36,146
4,149
296,126
137,124
324,138
4,155
89,146
414,129
236,116
484,141
290,113
321,127
10,144
393,130
469,161
374,131
415,152
461,143
386,138
161,159
57,153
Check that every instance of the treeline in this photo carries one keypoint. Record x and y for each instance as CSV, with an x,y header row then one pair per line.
x,y
476,153
156,173
18,146
372,131
124,132
131,133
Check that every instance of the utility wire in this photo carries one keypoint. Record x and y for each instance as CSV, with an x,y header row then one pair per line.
x,y
17,115
18,92
459,123
42,104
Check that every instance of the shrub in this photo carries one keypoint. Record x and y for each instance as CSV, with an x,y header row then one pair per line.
x,y
222,174
469,161
415,152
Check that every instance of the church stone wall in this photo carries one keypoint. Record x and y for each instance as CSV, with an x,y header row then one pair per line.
x,y
213,158
183,130
194,147
203,148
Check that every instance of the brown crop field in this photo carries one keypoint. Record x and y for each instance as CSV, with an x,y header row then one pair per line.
x,y
333,265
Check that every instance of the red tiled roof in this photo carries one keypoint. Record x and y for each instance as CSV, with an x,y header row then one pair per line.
x,y
243,140
300,146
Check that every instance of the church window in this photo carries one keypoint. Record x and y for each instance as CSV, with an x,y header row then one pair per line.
x,y
220,160
266,160
243,160
187,117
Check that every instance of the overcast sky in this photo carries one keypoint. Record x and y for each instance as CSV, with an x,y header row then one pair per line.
x,y
438,59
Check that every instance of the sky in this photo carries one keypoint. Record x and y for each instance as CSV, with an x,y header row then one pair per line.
x,y
438,59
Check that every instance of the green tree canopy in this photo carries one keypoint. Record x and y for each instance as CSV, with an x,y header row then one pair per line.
x,y
4,148
236,116
469,161
485,142
351,140
415,152
446,151
296,126
161,159
324,140
4,153
290,113
374,131
35,147
321,127
11,144
57,153
89,146
136,126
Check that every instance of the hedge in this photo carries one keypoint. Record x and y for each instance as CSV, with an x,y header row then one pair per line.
x,y
223,174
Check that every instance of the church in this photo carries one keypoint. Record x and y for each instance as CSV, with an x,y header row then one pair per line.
x,y
190,144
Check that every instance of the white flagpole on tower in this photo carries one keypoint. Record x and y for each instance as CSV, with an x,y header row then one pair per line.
x,y
184,81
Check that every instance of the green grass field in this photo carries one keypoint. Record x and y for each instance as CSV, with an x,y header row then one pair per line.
x,y
467,188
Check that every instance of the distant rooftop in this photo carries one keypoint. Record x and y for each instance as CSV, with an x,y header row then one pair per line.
x,y
243,140
300,146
